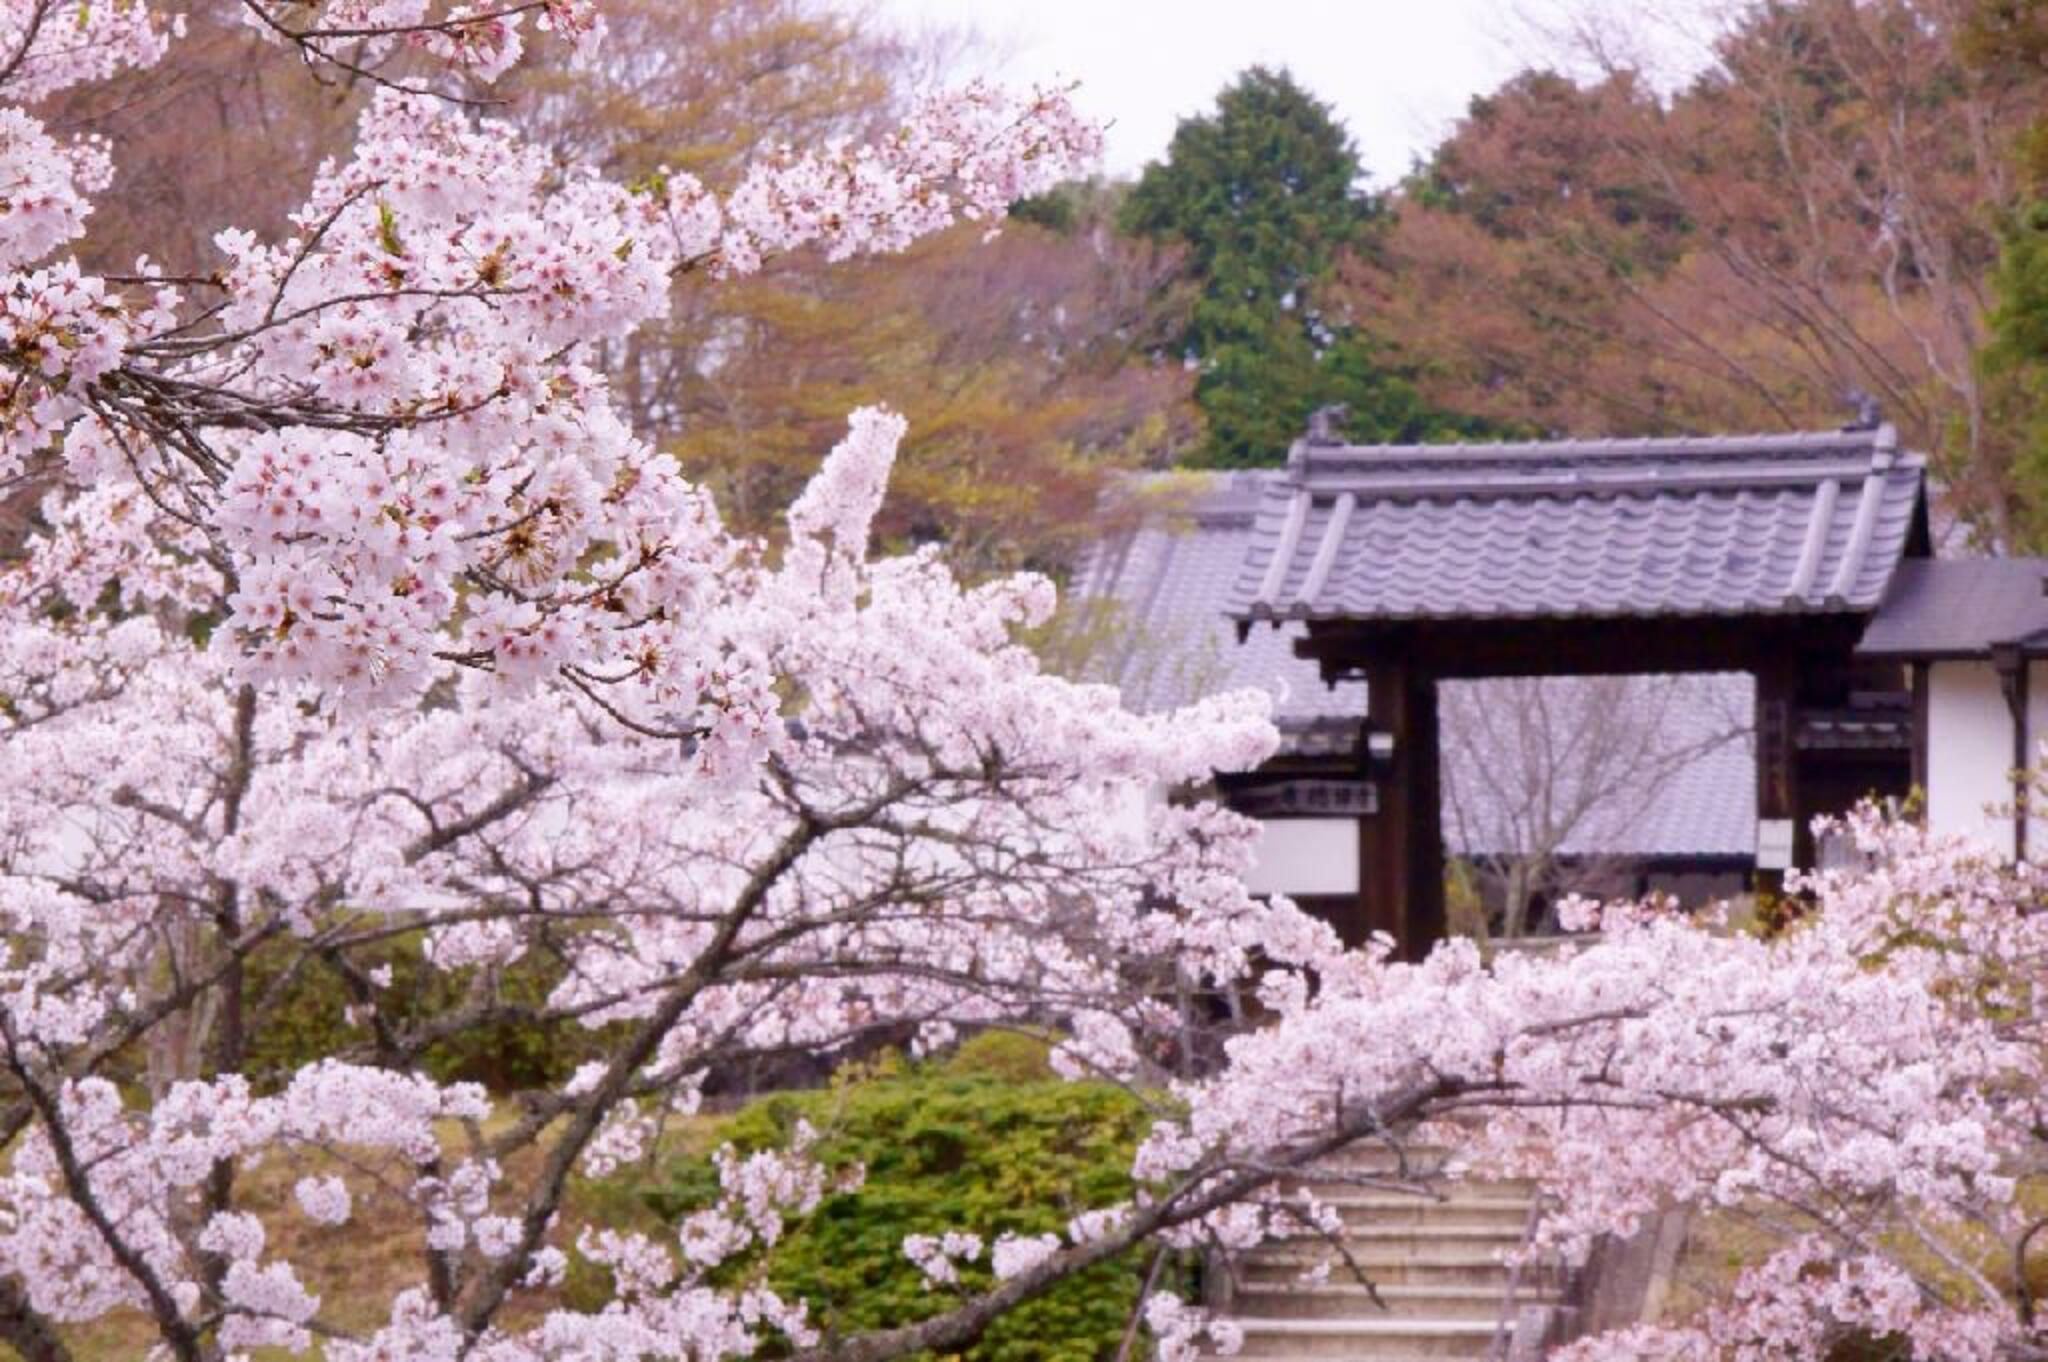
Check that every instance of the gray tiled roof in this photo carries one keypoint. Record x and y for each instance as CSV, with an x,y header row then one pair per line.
x,y
1959,607
1158,591
1161,587
1706,808
1696,526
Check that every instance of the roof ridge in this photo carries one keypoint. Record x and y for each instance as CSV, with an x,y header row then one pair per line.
x,y
1880,441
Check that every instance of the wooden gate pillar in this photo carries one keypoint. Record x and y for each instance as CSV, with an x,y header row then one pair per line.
x,y
1400,845
1777,764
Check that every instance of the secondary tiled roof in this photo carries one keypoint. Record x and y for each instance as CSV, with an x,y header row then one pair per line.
x,y
1158,592
1158,631
1705,808
1960,607
1601,767
1726,525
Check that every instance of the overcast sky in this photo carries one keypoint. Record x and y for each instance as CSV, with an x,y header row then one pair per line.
x,y
1398,71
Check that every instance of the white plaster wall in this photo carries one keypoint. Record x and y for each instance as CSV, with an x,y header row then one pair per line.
x,y
1969,753
2037,733
1306,856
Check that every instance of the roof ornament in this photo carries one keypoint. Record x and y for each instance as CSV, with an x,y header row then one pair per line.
x,y
1325,424
1865,413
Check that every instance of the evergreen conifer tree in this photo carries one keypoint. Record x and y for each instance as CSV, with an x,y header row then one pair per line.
x,y
2008,40
1264,195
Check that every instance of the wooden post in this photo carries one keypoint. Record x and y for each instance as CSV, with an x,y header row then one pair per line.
x,y
1425,916
1380,853
2022,760
2010,660
1777,763
1920,705
1400,846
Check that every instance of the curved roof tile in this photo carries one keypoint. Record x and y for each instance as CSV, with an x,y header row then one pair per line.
x,y
1728,525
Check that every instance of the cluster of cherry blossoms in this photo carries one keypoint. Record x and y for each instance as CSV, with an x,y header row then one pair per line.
x,y
388,425
928,830
1865,1089
53,47
482,41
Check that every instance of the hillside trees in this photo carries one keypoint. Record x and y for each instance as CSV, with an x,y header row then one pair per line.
x,y
1503,260
1021,362
1809,222
2007,40
1264,198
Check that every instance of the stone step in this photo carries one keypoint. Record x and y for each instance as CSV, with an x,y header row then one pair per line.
x,y
1365,1338
1475,1210
1426,1179
1434,1265
1341,1298
1434,1255
1380,1159
1377,1236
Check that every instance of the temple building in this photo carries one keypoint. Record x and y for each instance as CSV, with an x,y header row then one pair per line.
x,y
1796,649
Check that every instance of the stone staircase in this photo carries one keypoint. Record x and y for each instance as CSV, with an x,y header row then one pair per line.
x,y
1434,1260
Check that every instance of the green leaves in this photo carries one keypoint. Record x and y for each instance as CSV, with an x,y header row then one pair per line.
x,y
966,1146
387,230
2014,360
1263,193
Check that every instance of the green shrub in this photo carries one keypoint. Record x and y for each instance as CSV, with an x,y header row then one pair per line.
x,y
966,1144
1004,1055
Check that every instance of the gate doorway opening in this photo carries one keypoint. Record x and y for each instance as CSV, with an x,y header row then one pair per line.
x,y
1410,568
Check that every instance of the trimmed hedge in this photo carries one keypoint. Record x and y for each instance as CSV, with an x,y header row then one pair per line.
x,y
988,1142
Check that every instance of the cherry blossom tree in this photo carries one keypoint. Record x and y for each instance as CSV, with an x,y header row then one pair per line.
x,y
357,614
481,669
387,429
1863,1090
937,834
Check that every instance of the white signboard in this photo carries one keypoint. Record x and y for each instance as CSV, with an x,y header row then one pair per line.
x,y
1306,856
1774,844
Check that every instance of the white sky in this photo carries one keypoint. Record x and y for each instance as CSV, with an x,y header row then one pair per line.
x,y
1399,72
